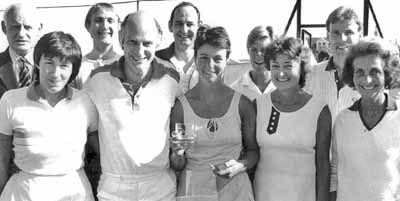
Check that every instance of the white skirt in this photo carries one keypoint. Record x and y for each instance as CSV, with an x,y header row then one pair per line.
x,y
28,187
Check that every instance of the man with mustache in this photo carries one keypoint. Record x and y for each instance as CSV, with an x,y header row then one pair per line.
x,y
134,97
22,27
183,23
344,29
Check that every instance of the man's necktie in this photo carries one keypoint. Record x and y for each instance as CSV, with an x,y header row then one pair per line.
x,y
25,77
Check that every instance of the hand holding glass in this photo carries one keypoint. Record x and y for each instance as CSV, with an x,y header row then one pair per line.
x,y
181,140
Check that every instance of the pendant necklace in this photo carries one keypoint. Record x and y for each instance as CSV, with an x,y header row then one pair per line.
x,y
212,124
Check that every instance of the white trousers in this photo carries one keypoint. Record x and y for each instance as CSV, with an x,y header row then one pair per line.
x,y
28,187
160,186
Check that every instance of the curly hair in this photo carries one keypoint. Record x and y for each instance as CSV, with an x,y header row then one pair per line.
x,y
379,48
213,36
291,47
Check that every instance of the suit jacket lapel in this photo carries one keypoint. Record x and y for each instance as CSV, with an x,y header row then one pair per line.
x,y
7,74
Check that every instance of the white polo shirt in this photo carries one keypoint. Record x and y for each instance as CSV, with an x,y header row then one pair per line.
x,y
47,140
247,87
133,131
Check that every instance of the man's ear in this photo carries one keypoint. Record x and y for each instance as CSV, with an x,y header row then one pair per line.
x,y
3,27
121,36
170,26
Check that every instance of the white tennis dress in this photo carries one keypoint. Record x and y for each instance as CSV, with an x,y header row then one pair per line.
x,y
286,169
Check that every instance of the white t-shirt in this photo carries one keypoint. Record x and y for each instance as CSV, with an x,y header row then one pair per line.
x,y
47,140
87,66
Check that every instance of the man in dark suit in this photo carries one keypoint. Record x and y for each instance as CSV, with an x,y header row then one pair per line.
x,y
22,27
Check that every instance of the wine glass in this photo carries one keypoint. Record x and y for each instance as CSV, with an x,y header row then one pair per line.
x,y
181,138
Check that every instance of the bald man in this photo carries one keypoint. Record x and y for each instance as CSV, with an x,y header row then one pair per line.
x,y
22,27
134,96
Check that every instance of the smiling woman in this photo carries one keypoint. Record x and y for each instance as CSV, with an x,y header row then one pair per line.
x,y
366,135
224,123
48,122
293,131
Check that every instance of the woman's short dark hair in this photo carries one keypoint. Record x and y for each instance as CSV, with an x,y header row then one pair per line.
x,y
181,5
291,47
95,8
61,45
214,36
380,48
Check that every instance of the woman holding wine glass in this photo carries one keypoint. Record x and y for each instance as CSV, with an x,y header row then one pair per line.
x,y
223,120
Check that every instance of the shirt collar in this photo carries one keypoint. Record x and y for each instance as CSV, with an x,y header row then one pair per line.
x,y
171,50
390,104
331,65
35,93
156,70
15,57
246,81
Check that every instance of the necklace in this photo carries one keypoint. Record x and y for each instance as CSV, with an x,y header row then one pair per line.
x,y
212,124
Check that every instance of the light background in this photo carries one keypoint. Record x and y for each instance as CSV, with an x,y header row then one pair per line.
x,y
237,16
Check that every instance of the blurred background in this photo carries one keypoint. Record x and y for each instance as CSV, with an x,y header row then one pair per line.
x,y
238,17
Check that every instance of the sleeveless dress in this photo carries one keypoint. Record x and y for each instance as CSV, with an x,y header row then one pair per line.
x,y
217,142
286,169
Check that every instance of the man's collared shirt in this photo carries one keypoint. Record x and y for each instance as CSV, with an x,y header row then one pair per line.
x,y
323,82
247,87
133,126
15,58
188,79
47,140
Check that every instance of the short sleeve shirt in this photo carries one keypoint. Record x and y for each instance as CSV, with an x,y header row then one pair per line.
x,y
47,140
133,131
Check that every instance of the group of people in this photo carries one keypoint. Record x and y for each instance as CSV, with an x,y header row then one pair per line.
x,y
98,126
